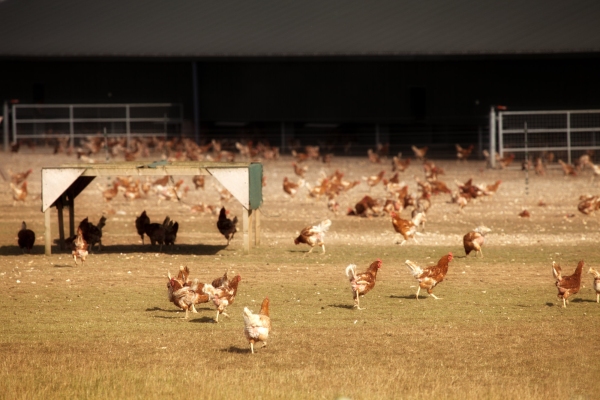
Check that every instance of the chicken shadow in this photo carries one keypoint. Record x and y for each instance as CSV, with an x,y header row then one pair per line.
x,y
197,249
63,266
578,300
162,309
407,297
203,320
14,250
235,349
346,306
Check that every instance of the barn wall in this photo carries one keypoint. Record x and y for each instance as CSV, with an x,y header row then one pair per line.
x,y
433,98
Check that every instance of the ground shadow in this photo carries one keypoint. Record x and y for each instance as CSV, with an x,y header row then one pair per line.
x,y
14,250
166,317
346,306
197,249
63,266
204,320
408,297
550,304
161,309
235,349
582,301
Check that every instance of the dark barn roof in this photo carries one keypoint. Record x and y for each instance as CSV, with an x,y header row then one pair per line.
x,y
281,28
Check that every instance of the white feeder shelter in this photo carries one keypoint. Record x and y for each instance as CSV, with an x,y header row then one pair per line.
x,y
61,185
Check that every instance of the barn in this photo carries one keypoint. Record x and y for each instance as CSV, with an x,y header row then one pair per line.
x,y
330,73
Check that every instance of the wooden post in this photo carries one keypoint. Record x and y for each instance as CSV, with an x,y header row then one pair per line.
x,y
47,231
71,203
61,226
256,228
245,228
247,219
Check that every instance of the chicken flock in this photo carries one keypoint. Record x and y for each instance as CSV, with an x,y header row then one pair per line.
x,y
186,293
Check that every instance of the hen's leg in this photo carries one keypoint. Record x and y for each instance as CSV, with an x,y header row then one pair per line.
x,y
186,313
418,290
194,309
252,347
435,297
597,297
311,249
564,303
323,247
217,318
357,301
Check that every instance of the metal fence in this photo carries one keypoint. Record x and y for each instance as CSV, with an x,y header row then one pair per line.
x,y
568,134
50,121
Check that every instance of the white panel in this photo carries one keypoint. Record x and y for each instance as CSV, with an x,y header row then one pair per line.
x,y
235,180
54,183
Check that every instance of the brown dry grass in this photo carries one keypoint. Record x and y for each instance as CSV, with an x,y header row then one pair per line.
x,y
106,330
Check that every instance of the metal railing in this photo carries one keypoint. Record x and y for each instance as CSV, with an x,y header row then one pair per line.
x,y
567,133
49,121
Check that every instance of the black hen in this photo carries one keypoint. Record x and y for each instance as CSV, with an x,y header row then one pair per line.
x,y
171,229
26,238
140,224
227,226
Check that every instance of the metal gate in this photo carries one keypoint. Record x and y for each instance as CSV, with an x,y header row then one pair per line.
x,y
567,134
49,121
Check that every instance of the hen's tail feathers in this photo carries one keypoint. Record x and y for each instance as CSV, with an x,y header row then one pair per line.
x,y
322,227
415,270
594,272
556,271
351,271
247,313
209,290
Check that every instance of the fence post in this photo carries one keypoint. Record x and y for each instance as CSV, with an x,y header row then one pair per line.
x,y
5,118
71,127
492,138
569,137
500,135
14,123
127,125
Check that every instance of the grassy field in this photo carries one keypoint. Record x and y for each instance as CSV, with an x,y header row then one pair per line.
x,y
107,330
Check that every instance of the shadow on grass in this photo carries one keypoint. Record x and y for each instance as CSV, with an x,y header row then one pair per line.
x,y
235,349
346,306
165,317
199,249
204,320
63,266
408,297
582,301
161,309
305,251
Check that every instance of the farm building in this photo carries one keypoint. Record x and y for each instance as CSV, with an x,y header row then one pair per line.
x,y
316,72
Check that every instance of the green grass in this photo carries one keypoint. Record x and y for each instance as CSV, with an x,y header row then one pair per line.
x,y
498,332
107,330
